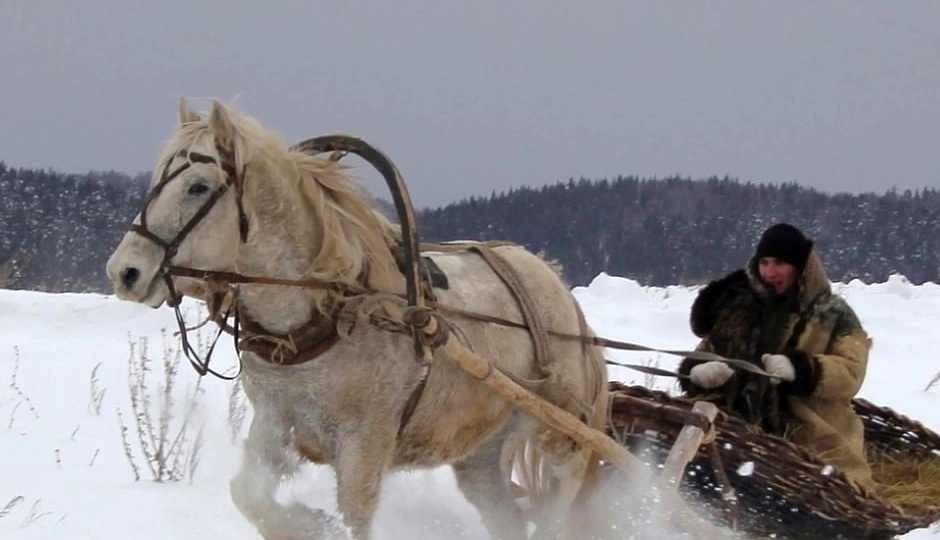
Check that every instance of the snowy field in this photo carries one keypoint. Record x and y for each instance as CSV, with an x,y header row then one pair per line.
x,y
64,363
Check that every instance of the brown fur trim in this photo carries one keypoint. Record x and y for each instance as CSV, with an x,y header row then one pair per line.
x,y
706,307
808,373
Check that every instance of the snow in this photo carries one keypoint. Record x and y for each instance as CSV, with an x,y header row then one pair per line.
x,y
64,472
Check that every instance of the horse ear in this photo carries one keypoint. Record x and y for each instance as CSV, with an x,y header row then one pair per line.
x,y
221,124
187,115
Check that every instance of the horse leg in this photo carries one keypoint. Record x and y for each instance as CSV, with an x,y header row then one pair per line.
x,y
253,490
483,478
565,466
359,469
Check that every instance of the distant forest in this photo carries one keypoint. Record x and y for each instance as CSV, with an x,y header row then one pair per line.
x,y
57,230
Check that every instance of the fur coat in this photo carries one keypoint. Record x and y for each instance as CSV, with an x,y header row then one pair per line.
x,y
824,340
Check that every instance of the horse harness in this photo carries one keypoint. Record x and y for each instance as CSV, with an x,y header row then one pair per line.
x,y
321,333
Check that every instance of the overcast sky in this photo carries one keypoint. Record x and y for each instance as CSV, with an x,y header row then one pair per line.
x,y
474,96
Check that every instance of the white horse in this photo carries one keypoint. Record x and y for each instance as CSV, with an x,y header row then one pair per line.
x,y
328,382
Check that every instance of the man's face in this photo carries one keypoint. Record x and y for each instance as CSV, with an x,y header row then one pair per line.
x,y
779,274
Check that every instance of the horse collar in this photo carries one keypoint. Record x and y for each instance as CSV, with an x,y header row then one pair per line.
x,y
293,348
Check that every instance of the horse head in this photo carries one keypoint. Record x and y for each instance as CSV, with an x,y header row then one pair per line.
x,y
228,195
192,216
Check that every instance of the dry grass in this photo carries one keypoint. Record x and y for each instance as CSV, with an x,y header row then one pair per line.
x,y
11,505
237,410
910,482
97,393
23,398
933,381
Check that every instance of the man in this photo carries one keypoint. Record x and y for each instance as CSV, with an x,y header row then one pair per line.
x,y
780,314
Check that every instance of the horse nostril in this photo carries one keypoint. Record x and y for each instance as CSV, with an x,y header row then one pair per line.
x,y
129,276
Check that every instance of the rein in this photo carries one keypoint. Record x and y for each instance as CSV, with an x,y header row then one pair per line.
x,y
233,278
415,282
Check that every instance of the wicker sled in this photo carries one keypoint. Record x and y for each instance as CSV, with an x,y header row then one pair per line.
x,y
759,483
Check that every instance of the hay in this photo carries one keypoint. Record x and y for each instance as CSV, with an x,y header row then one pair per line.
x,y
912,483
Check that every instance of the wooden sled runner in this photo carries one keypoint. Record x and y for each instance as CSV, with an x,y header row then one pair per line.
x,y
762,484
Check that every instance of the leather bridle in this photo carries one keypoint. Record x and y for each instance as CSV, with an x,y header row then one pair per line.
x,y
233,180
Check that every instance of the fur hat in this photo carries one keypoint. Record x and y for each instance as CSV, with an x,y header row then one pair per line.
x,y
786,243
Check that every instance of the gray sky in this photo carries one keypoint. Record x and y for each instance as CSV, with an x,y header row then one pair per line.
x,y
474,96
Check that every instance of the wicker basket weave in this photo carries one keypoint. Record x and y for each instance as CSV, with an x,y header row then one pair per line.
x,y
780,488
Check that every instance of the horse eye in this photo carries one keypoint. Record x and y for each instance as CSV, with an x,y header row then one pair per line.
x,y
198,188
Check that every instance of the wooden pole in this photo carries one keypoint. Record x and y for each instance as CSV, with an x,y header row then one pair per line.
x,y
681,453
565,422
686,445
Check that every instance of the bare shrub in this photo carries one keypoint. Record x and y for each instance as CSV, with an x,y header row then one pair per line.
x,y
24,399
933,381
97,393
649,379
237,409
14,502
34,514
168,434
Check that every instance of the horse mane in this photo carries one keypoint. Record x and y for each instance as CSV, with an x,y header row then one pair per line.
x,y
356,237
353,240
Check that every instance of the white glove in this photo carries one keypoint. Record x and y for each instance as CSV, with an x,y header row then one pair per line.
x,y
710,374
779,367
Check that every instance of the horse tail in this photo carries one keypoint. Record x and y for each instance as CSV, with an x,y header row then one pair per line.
x,y
526,472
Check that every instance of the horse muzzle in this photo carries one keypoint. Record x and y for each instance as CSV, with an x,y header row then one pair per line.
x,y
136,277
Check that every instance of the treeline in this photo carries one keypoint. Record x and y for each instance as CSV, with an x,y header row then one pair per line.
x,y
57,231
680,231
